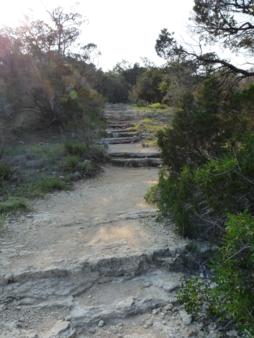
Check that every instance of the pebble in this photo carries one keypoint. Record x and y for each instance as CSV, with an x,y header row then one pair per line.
x,y
148,324
169,307
101,323
92,330
186,318
147,284
155,311
232,333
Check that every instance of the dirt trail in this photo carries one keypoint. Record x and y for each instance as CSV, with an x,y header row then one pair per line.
x,y
94,262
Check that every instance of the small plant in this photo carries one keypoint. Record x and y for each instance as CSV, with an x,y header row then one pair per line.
x,y
193,294
230,297
97,153
50,184
151,195
87,167
44,185
5,171
12,205
75,148
71,163
234,269
157,105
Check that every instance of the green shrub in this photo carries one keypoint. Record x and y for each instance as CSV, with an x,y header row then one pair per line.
x,y
75,148
12,205
50,184
96,153
45,185
200,198
87,167
71,163
234,271
230,296
225,186
193,294
157,105
5,171
175,197
152,195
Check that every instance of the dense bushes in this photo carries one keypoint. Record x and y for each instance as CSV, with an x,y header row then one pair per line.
x,y
233,268
147,87
200,198
207,186
5,171
43,86
208,154
230,296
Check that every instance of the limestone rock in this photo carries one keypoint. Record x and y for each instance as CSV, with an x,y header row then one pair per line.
x,y
185,317
101,323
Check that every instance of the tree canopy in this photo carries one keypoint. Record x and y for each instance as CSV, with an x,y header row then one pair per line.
x,y
229,22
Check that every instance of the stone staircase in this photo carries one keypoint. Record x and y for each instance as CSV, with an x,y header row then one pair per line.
x,y
125,145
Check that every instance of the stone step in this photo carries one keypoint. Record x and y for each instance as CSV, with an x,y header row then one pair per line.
x,y
120,140
122,297
57,286
117,134
121,130
132,155
136,162
120,125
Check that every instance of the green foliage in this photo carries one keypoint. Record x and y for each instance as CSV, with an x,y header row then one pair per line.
x,y
114,87
174,197
231,294
47,151
147,87
209,173
5,171
117,84
194,293
75,149
157,105
44,186
71,163
87,167
151,195
233,268
209,192
198,129
225,185
208,180
43,86
12,205
209,160
46,167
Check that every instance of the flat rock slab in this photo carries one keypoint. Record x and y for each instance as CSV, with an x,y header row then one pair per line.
x,y
103,217
136,162
136,148
120,140
124,297
135,155
118,134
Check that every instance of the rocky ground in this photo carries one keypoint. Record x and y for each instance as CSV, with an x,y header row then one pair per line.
x,y
94,261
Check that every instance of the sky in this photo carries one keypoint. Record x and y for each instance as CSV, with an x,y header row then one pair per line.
x,y
122,30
